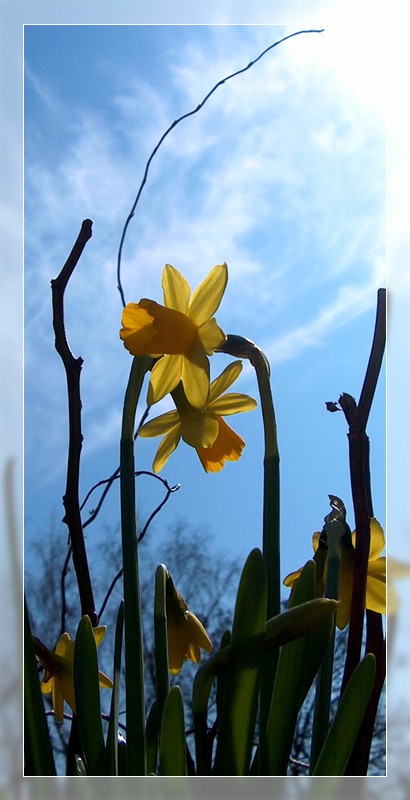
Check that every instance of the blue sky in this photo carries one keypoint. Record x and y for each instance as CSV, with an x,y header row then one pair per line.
x,y
282,175
381,47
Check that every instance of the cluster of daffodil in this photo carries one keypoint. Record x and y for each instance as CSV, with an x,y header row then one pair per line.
x,y
265,666
181,334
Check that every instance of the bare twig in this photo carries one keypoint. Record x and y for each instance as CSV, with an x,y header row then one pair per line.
x,y
357,417
72,366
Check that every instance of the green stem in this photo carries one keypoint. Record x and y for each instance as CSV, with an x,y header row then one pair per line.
x,y
134,676
240,347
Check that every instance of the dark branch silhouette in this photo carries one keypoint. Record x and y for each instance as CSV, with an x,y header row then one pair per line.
x,y
72,365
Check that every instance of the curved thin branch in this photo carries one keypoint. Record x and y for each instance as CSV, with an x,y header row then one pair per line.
x,y
172,126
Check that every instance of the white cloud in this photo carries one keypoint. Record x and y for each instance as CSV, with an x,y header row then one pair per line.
x,y
277,172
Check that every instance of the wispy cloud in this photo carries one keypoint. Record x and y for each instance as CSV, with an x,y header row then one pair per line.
x,y
278,175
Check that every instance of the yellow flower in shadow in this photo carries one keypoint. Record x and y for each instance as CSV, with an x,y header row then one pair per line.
x,y
206,431
59,671
376,574
185,633
183,332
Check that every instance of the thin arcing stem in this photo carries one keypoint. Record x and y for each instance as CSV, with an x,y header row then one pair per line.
x,y
171,127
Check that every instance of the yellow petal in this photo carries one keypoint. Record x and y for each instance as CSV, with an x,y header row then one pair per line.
x,y
224,380
232,403
345,587
376,586
177,291
65,647
195,376
165,376
228,446
65,684
99,634
201,431
292,578
211,336
105,681
46,686
160,425
167,446
198,632
177,644
58,701
315,540
377,540
159,330
208,295
193,653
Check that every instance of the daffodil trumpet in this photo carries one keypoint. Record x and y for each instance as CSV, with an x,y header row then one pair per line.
x,y
205,430
182,333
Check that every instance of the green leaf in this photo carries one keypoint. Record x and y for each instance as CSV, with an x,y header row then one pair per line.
x,y
345,727
238,714
38,754
172,754
112,735
152,738
161,640
297,667
87,698
79,767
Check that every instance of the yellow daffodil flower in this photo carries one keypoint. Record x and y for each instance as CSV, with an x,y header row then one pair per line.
x,y
376,575
185,632
207,431
183,332
59,671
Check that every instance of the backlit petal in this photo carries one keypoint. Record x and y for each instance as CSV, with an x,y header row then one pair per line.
x,y
201,431
165,376
208,295
377,540
292,578
177,291
195,376
99,634
193,653
167,446
105,681
58,701
376,586
211,335
65,647
228,446
224,380
345,587
232,403
198,632
160,425
66,686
